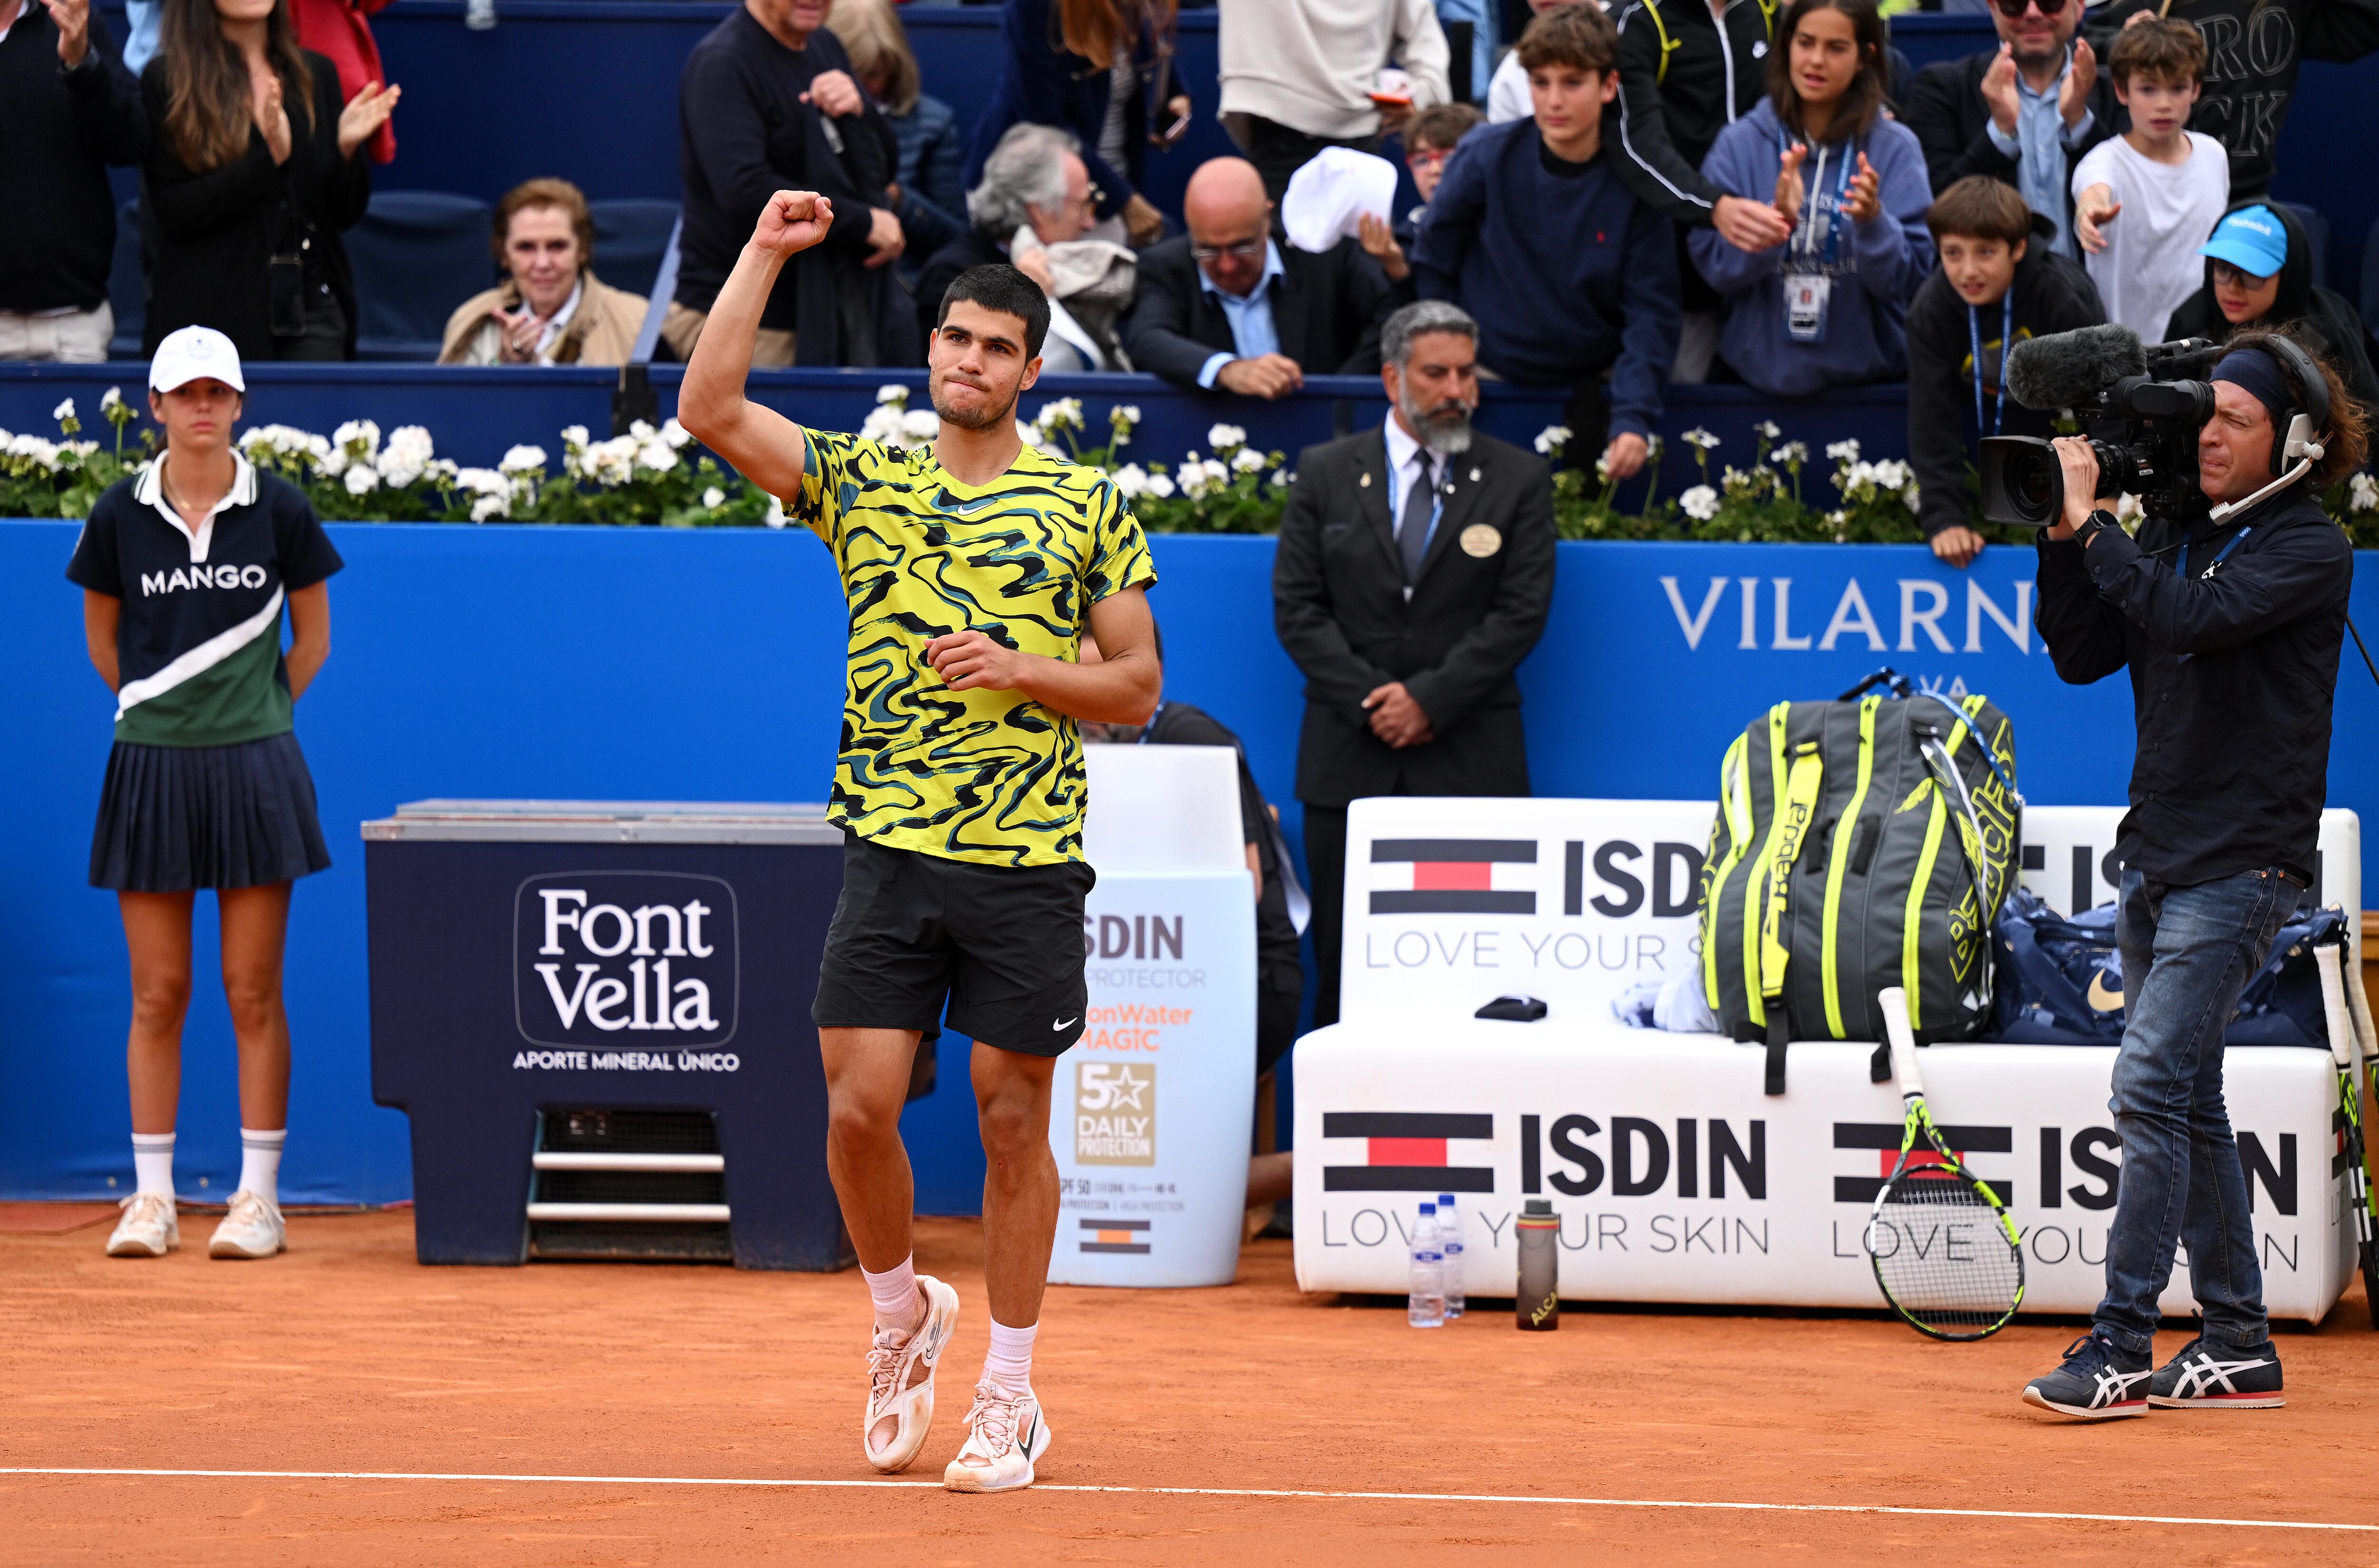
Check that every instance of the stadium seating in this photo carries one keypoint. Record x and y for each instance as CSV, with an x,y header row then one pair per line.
x,y
629,236
127,284
416,255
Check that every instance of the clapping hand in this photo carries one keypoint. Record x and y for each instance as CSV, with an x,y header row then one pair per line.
x,y
2074,98
1998,90
365,114
1789,192
792,222
1749,226
271,117
1864,202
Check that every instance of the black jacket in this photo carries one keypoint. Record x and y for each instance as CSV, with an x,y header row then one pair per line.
x,y
2052,295
744,134
218,232
61,130
1277,964
1952,123
1326,309
2252,48
1682,81
1339,607
2319,316
2232,679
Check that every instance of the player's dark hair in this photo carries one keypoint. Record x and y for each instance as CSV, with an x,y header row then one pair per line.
x,y
1001,287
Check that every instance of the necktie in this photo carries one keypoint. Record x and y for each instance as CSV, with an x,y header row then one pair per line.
x,y
1412,531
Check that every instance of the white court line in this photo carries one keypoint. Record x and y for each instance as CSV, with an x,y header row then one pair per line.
x,y
1207,1491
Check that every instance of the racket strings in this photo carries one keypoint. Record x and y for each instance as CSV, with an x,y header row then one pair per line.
x,y
1939,1253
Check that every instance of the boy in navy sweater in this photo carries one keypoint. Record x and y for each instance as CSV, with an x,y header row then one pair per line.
x,y
1571,279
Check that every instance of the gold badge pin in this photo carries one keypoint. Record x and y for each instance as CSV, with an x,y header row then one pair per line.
x,y
1482,540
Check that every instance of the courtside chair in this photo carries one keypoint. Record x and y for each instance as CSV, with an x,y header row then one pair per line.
x,y
416,255
629,235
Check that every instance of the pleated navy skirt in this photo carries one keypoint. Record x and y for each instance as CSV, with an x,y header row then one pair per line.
x,y
172,818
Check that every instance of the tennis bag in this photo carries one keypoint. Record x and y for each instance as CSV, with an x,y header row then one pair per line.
x,y
1859,843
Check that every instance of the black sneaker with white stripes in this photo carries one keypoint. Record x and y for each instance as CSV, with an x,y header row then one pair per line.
x,y
2209,1376
2099,1381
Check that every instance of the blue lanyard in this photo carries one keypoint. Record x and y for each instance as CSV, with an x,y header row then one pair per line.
x,y
1150,728
1396,513
2181,561
1799,246
2007,334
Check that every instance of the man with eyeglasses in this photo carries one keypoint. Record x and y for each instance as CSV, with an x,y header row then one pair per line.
x,y
2024,112
1226,307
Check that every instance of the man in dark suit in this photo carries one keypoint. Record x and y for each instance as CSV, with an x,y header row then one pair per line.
x,y
1414,573
1226,307
2024,112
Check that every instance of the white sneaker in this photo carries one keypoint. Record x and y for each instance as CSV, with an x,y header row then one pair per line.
x,y
253,1229
150,1228
1005,1435
900,1381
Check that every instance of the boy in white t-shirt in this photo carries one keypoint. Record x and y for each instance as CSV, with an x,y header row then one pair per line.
x,y
2144,200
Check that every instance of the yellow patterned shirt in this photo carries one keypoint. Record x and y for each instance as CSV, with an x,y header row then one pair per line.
x,y
988,777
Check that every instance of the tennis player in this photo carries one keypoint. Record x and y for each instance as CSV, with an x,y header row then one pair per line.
x,y
185,570
972,568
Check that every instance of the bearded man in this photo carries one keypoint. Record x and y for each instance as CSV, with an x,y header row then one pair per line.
x,y
1414,574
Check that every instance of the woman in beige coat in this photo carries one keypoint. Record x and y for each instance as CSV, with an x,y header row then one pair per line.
x,y
553,309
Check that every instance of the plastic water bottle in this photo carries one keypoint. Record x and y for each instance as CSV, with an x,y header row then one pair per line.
x,y
1449,1246
1425,1309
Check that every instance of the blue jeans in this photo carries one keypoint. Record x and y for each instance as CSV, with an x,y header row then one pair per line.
x,y
2187,954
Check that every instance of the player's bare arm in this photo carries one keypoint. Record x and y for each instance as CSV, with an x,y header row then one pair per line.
x,y
763,445
1121,688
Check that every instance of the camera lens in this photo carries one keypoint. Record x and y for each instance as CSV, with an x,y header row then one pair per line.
x,y
2030,481
2023,483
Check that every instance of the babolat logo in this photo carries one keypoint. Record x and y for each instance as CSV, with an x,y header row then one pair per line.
x,y
597,955
222,576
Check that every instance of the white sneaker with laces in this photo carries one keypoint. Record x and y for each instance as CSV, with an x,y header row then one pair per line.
x,y
253,1229
1005,1435
150,1228
900,1381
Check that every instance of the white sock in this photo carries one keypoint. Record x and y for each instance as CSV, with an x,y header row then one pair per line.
x,y
894,1292
152,1162
1009,1363
260,1162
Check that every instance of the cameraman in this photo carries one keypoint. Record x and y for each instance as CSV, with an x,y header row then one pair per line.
x,y
2232,632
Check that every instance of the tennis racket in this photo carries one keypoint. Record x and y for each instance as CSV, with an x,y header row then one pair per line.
x,y
2346,1050
1946,1254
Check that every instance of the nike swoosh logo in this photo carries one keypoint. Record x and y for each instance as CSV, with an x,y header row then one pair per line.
x,y
1061,1023
2102,997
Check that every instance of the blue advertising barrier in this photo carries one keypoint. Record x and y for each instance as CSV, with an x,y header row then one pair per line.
x,y
650,664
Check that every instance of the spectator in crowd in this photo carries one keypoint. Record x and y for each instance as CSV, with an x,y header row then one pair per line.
x,y
1303,74
553,309
340,31
767,103
1826,307
1571,279
1507,90
1409,648
1034,208
1687,71
932,202
1999,281
2025,111
2259,274
2141,198
1430,138
141,20
1101,69
67,110
2253,50
255,169
1225,306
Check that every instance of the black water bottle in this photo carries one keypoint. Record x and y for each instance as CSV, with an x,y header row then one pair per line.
x,y
1538,1301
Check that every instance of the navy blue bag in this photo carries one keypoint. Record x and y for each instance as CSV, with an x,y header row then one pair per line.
x,y
2060,981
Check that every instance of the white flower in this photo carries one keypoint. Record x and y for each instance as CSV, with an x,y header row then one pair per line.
x,y
675,434
2127,506
482,482
1551,438
713,498
1121,419
110,400
443,468
775,518
491,506
1701,504
881,425
408,452
358,438
2362,493
1789,454
642,429
522,460
1246,460
919,425
63,412
573,436
1280,478
362,479
1602,468
1160,486
1699,439
1767,427
1029,437
1132,481
1909,498
893,394
1224,438
1065,413
657,456
1842,451
1892,474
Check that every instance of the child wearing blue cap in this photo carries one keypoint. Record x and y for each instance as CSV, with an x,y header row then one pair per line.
x,y
2258,272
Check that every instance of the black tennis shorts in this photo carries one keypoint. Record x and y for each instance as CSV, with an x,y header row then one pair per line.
x,y
1000,947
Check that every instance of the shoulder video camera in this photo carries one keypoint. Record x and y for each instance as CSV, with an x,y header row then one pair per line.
x,y
2151,393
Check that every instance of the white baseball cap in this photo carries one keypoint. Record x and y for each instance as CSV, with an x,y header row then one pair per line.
x,y
186,354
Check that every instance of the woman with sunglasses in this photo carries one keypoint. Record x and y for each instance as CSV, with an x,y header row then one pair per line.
x,y
1826,306
2259,274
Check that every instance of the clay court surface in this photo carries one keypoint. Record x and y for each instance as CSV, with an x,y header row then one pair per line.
x,y
347,1356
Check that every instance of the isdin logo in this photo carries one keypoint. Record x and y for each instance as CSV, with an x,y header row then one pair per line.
x,y
602,955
